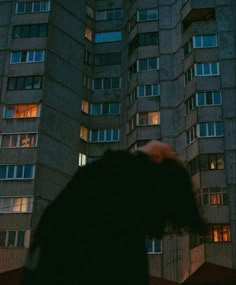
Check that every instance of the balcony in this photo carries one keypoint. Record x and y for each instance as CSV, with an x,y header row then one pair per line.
x,y
196,11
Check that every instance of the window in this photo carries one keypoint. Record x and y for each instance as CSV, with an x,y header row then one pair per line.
x,y
82,159
153,246
148,118
188,75
15,172
151,63
106,135
213,129
148,90
205,162
87,57
206,41
108,58
144,39
187,48
207,69
27,56
219,233
106,83
190,104
147,15
107,37
32,7
208,98
21,111
16,205
105,109
85,106
89,12
132,22
30,31
203,98
13,238
115,14
24,83
84,133
132,123
88,34
191,134
86,81
18,140
213,196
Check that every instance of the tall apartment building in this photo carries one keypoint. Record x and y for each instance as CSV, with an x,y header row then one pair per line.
x,y
79,77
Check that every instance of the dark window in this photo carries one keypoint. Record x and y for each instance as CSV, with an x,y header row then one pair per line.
x,y
2,238
21,239
24,83
144,40
11,238
28,31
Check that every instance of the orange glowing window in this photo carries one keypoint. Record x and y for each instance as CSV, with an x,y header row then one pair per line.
x,y
21,204
219,233
22,111
215,199
148,118
88,34
84,133
85,106
226,233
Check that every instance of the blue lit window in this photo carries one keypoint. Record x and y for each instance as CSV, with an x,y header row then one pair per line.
x,y
108,37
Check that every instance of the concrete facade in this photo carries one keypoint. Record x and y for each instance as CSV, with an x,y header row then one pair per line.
x,y
168,73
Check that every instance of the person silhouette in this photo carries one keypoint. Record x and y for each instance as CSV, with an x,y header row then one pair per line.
x,y
94,232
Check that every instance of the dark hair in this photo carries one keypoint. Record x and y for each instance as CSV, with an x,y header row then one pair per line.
x,y
95,230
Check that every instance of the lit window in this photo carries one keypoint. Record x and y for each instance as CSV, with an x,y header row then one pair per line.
x,y
22,111
85,106
213,196
84,133
88,34
82,159
219,233
148,118
18,140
